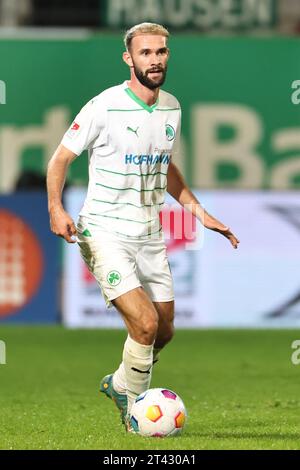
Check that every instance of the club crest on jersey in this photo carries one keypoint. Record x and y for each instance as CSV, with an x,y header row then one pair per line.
x,y
170,132
75,126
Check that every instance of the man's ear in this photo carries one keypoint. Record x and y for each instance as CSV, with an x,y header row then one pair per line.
x,y
127,59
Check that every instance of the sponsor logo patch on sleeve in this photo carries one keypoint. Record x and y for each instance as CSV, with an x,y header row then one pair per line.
x,y
72,132
75,126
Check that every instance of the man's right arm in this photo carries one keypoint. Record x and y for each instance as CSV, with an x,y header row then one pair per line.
x,y
60,221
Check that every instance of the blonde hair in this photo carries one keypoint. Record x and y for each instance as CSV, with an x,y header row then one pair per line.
x,y
144,28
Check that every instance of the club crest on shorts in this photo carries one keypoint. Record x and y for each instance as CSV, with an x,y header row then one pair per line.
x,y
113,278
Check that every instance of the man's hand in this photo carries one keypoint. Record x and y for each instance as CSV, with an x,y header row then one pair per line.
x,y
62,224
213,224
180,191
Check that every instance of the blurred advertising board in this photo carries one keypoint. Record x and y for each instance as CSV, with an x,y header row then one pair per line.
x,y
241,115
28,260
215,285
197,15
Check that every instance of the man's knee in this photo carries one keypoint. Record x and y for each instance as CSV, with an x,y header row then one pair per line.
x,y
148,327
165,336
170,333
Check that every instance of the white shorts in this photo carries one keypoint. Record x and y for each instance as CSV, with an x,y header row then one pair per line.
x,y
120,265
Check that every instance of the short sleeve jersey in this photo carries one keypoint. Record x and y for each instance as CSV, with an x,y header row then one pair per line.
x,y
130,146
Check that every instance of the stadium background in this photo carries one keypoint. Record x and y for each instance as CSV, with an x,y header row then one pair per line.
x,y
234,67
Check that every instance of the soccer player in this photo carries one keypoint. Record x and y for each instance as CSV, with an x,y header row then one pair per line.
x,y
131,131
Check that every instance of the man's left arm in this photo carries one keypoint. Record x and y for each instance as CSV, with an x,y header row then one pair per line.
x,y
177,187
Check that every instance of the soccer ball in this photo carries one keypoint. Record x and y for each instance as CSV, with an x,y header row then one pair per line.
x,y
158,412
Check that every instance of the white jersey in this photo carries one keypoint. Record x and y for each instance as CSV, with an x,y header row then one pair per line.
x,y
130,147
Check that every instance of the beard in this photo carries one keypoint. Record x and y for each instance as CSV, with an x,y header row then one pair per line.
x,y
146,80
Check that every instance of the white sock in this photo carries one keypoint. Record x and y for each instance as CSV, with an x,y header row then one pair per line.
x,y
137,360
119,377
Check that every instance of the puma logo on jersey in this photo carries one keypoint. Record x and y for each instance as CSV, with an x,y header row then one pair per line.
x,y
132,130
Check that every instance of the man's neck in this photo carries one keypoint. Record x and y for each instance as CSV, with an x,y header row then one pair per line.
x,y
145,94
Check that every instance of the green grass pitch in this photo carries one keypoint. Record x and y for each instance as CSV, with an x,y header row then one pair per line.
x,y
239,386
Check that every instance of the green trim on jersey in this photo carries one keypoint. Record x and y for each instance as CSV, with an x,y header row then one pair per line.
x,y
125,234
122,218
142,109
168,109
132,189
132,174
125,109
142,103
130,203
